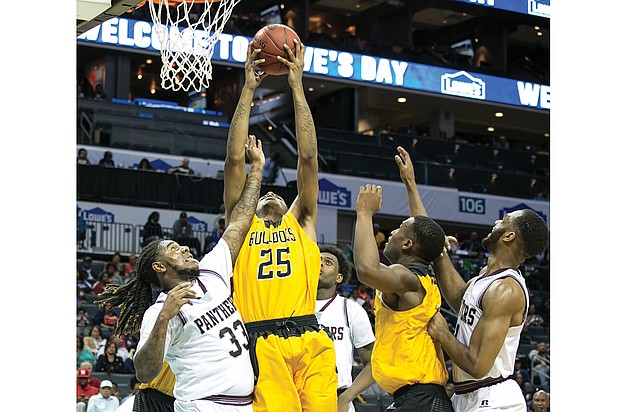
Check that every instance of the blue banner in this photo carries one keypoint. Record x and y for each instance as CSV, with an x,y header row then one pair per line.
x,y
360,68
539,8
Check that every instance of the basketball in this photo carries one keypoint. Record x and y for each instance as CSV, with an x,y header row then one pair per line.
x,y
271,39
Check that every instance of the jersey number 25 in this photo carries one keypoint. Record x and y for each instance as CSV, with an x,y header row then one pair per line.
x,y
281,267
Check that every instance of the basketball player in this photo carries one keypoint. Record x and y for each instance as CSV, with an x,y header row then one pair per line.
x,y
276,274
485,347
194,325
155,396
405,360
492,308
348,324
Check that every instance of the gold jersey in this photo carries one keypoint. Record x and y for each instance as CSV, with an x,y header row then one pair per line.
x,y
163,382
276,274
404,353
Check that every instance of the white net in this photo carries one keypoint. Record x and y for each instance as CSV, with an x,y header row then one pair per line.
x,y
187,31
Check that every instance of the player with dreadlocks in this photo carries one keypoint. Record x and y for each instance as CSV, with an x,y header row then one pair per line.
x,y
193,326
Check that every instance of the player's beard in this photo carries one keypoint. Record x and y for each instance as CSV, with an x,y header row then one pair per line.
x,y
492,239
185,272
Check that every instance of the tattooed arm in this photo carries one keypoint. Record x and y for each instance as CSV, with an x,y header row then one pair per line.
x,y
305,207
244,210
149,359
234,165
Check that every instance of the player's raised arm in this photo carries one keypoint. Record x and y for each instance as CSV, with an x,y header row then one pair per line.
x,y
305,205
370,271
234,165
243,212
407,175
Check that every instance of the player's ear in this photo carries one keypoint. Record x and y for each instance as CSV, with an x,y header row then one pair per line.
x,y
158,267
339,279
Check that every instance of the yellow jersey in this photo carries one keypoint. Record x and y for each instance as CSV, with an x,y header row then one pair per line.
x,y
404,353
164,382
276,274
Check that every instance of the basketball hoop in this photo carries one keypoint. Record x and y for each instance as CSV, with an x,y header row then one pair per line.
x,y
187,31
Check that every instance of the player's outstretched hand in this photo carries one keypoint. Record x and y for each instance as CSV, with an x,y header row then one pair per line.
x,y
295,63
254,150
177,297
253,75
405,166
369,199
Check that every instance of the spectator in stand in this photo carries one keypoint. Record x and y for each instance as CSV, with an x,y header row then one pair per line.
x,y
540,353
84,389
182,231
380,240
541,374
81,227
526,388
520,369
99,94
103,401
86,271
540,402
463,270
106,160
533,319
183,169
110,361
134,385
152,229
82,322
83,287
82,158
145,165
116,393
94,382
106,319
104,279
121,348
83,353
118,265
130,268
525,336
217,232
473,246
111,269
95,340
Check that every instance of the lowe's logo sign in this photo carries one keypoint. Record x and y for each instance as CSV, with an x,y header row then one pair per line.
x,y
521,206
463,84
332,195
539,8
197,224
97,215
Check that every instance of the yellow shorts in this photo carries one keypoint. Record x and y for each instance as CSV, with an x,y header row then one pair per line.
x,y
296,368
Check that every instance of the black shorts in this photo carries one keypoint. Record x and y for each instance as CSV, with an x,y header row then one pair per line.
x,y
421,398
152,400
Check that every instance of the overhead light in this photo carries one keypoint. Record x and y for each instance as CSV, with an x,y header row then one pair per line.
x,y
357,6
539,33
490,129
499,114
149,61
401,99
139,76
547,135
270,127
536,27
310,89
152,91
282,6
